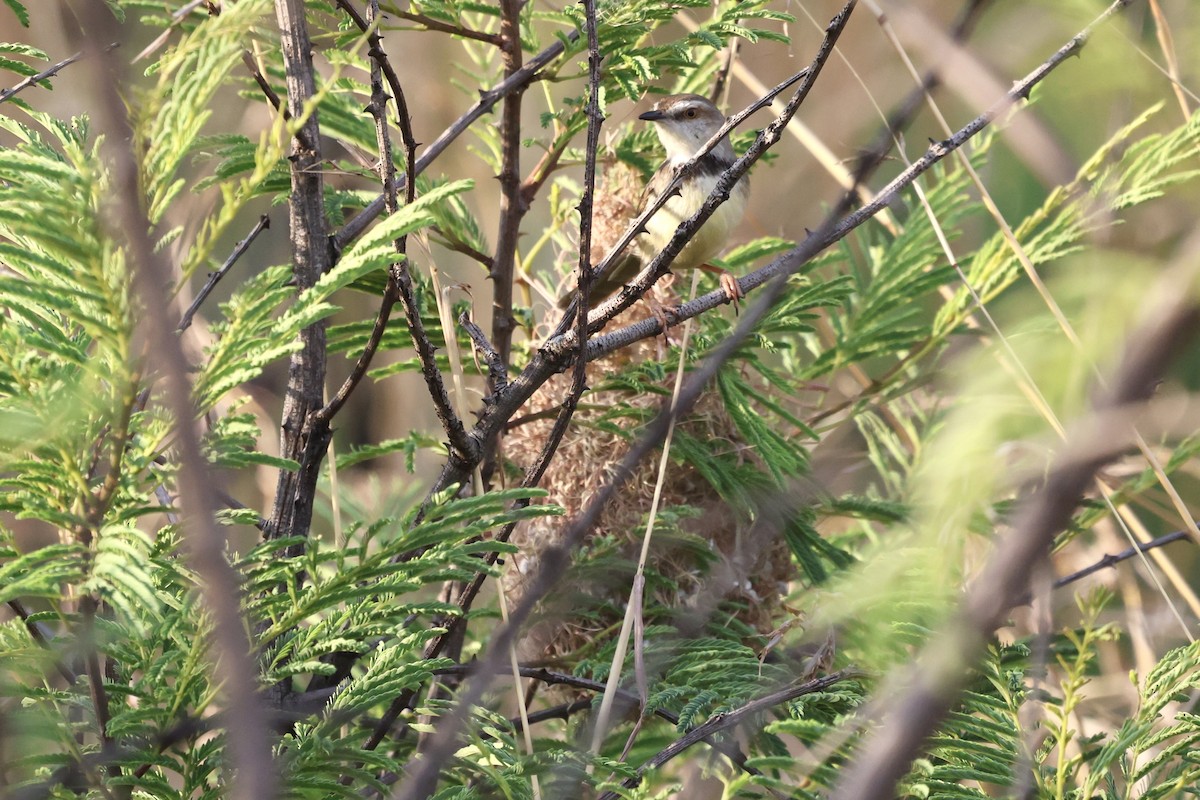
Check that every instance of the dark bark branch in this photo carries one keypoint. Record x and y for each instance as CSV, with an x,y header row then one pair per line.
x,y
269,92
512,202
214,278
377,108
584,277
311,258
544,168
1113,560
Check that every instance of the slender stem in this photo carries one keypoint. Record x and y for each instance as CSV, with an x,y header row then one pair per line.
x,y
239,250
497,370
95,675
1117,558
49,72
445,27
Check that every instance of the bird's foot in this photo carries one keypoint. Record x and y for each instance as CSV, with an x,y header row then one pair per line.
x,y
732,290
662,313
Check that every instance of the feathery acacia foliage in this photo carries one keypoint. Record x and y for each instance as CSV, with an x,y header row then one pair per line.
x,y
838,484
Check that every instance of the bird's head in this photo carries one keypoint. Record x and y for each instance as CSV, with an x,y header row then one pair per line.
x,y
684,122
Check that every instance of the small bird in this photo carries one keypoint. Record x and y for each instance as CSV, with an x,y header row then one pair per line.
x,y
684,123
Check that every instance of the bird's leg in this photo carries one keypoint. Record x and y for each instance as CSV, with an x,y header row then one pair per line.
x,y
728,283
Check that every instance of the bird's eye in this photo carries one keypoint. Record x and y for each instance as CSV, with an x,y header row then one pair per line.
x,y
691,113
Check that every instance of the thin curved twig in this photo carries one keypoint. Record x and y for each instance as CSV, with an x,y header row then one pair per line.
x,y
239,250
487,100
730,719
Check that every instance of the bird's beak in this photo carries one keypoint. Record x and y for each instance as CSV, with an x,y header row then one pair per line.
x,y
652,115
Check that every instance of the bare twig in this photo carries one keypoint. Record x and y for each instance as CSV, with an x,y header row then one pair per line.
x,y
467,250
730,719
720,79
49,72
248,745
264,85
177,17
584,278
377,108
444,27
487,99
1114,559
214,278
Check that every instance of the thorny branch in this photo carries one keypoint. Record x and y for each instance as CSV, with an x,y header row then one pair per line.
x,y
554,560
1116,558
534,474
497,369
400,284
